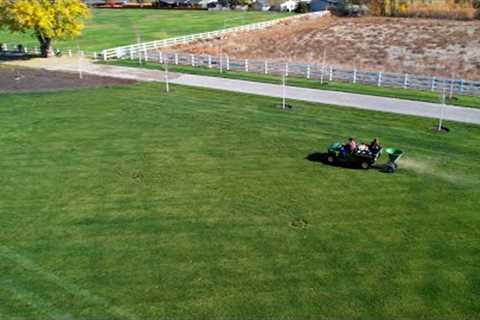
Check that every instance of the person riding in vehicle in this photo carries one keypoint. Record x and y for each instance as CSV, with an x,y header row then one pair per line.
x,y
351,145
375,146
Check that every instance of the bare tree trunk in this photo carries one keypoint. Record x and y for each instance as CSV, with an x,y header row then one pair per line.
x,y
45,46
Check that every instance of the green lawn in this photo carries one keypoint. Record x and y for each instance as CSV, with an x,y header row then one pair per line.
x,y
110,28
400,93
130,203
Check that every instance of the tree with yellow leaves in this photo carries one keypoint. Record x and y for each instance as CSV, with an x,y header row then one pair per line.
x,y
47,20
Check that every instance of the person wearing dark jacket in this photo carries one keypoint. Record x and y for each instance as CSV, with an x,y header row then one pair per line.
x,y
374,146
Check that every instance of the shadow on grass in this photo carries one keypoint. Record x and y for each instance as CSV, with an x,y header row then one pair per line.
x,y
12,56
322,157
317,157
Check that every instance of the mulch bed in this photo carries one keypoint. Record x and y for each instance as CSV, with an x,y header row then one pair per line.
x,y
15,79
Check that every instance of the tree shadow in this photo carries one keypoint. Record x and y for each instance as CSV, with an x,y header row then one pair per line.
x,y
15,55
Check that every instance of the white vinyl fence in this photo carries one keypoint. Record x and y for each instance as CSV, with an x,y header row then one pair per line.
x,y
130,50
309,71
312,71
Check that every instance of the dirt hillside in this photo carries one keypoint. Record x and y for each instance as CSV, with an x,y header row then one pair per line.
x,y
421,46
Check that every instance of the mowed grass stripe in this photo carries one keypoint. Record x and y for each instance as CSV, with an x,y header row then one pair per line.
x,y
182,204
49,279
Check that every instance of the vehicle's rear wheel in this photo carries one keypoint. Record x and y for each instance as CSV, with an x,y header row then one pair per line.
x,y
330,159
390,168
365,165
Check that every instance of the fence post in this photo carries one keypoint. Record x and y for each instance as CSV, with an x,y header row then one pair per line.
x,y
452,85
462,84
330,76
131,53
69,52
145,54
246,65
176,58
286,69
266,67
379,82
193,60
434,84
95,55
228,63
209,62
355,76
160,57
322,74
405,81
308,71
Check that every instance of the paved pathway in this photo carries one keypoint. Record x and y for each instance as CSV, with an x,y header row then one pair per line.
x,y
422,109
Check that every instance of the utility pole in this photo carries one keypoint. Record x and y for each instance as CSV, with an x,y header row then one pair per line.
x,y
284,98
167,84
442,111
79,61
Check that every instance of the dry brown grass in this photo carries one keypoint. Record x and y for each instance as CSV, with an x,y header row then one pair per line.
x,y
420,46
450,10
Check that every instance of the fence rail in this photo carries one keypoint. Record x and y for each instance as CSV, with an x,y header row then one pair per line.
x,y
151,51
307,71
130,50
313,71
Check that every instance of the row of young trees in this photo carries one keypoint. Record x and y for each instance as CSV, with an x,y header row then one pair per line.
x,y
47,20
462,8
